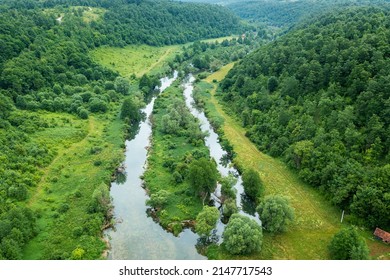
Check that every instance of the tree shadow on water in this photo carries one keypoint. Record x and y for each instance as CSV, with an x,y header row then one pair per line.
x,y
204,241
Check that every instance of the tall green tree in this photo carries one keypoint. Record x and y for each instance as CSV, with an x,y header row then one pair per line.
x,y
202,175
347,244
242,235
130,110
206,220
253,186
275,213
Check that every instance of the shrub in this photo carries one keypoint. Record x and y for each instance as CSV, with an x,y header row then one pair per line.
x,y
275,213
242,235
348,245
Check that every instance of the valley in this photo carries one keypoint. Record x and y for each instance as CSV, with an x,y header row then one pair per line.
x,y
106,153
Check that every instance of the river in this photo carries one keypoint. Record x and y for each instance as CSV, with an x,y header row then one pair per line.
x,y
245,207
136,236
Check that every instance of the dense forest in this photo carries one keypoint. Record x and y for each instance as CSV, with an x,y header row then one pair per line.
x,y
319,98
287,13
45,67
284,14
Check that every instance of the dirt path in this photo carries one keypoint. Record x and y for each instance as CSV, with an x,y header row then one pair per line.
x,y
160,60
60,155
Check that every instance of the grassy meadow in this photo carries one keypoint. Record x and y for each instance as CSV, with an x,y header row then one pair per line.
x,y
135,59
87,153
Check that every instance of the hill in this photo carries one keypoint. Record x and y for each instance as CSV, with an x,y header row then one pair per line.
x,y
319,98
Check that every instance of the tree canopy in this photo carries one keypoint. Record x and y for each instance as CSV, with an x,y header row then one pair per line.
x,y
203,175
206,220
327,115
348,245
242,235
252,183
275,213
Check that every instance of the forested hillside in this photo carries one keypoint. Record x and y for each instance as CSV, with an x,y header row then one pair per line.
x,y
319,98
285,13
49,85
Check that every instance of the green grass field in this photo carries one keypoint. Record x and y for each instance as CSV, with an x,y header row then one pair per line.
x,y
68,183
93,14
140,59
316,219
137,60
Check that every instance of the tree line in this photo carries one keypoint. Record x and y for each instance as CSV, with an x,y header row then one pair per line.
x,y
319,98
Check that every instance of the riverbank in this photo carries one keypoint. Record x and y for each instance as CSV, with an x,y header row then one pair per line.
x,y
316,219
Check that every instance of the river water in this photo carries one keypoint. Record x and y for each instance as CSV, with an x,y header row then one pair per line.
x,y
136,236
243,204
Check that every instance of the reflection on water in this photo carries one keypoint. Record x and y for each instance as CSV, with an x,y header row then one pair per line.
x,y
136,236
245,205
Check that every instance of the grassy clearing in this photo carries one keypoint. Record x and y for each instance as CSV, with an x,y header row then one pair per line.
x,y
141,59
137,60
88,14
316,219
87,153
93,14
219,40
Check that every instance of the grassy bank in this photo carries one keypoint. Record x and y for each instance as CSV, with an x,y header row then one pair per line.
x,y
88,151
316,219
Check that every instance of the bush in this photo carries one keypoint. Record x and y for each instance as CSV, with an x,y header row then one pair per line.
x,y
158,199
348,245
83,113
242,235
252,183
206,220
275,213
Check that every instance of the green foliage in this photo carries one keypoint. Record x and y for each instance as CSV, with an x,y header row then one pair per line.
x,y
227,187
170,156
158,199
159,23
287,13
122,85
229,208
78,253
101,201
327,116
206,220
17,227
252,183
272,84
202,176
242,236
348,245
97,105
275,213
130,110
